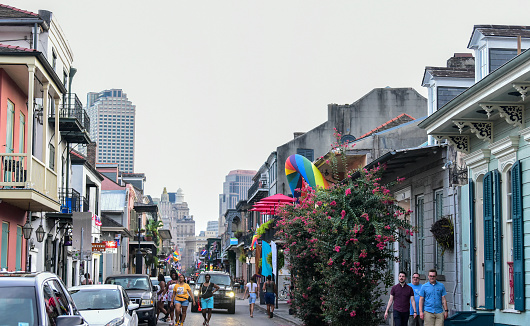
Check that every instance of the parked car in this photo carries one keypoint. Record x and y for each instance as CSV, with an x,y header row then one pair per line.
x,y
36,299
225,298
140,291
105,305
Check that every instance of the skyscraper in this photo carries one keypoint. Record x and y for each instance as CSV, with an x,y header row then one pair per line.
x,y
112,121
235,188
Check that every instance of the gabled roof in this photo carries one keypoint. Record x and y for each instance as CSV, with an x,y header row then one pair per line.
x,y
451,72
402,118
500,31
7,12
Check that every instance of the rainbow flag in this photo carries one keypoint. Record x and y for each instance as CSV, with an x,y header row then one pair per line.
x,y
254,238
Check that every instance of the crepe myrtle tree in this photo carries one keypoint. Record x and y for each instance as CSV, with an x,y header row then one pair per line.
x,y
340,248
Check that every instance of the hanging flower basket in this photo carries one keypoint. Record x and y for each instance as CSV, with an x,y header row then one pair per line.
x,y
443,231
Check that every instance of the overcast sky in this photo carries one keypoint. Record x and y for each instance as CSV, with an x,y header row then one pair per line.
x,y
218,85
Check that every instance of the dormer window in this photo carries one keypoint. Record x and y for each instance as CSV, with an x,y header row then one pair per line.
x,y
482,63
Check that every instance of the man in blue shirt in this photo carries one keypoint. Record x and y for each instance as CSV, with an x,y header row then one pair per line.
x,y
416,286
433,306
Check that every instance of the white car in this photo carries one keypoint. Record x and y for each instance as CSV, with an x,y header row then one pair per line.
x,y
105,305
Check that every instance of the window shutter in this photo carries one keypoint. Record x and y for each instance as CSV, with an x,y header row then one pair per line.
x,y
5,244
472,251
497,220
19,257
489,265
518,237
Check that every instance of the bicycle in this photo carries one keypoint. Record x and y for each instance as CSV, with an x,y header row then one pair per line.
x,y
283,294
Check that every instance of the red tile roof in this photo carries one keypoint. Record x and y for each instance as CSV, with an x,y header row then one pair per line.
x,y
389,124
17,48
19,10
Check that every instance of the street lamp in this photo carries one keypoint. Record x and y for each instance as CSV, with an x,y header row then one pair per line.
x,y
27,229
40,233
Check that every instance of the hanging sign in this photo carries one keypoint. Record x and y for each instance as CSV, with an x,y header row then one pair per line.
x,y
111,247
96,247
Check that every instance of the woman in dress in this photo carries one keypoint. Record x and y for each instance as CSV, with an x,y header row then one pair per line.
x,y
181,293
170,286
206,294
252,289
161,297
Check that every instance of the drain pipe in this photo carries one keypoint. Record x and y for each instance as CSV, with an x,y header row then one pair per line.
x,y
457,248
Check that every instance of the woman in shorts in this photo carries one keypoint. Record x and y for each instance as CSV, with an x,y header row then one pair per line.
x,y
252,289
181,293
270,289
206,294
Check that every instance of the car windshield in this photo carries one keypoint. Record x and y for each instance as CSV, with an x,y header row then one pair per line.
x,y
96,299
18,306
218,279
130,282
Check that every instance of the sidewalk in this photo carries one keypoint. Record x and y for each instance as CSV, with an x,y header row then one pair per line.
x,y
282,312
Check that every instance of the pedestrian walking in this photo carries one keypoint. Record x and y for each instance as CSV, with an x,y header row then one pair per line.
x,y
161,296
433,306
400,295
252,289
270,289
87,280
181,293
206,295
416,287
170,286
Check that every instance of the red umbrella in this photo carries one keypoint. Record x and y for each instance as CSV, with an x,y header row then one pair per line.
x,y
279,198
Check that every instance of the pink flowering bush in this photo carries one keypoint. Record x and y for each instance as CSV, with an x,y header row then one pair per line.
x,y
340,247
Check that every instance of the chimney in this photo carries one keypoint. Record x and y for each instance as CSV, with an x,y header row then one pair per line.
x,y
462,61
298,134
91,151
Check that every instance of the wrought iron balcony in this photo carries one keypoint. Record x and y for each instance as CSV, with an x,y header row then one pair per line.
x,y
258,191
74,122
70,201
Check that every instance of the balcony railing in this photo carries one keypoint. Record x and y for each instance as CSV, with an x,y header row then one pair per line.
x,y
70,201
72,108
260,185
86,205
511,283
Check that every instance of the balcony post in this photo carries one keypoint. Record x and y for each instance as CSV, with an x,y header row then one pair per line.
x,y
56,138
45,87
31,87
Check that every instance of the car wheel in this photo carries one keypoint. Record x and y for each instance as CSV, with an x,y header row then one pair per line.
x,y
232,310
152,321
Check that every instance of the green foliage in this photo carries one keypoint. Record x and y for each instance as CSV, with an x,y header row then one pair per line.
x,y
281,259
264,227
340,244
443,231
242,258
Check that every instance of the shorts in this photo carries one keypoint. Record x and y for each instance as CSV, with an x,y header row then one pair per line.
x,y
252,298
207,303
269,298
183,303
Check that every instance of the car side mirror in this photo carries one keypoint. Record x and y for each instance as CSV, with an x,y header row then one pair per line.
x,y
133,306
69,320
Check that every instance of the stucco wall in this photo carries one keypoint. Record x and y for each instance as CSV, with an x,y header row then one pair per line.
x,y
15,217
367,113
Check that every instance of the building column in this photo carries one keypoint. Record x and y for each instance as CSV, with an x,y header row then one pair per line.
x,y
46,88
29,154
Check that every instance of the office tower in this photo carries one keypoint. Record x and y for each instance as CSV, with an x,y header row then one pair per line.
x,y
213,226
235,188
112,121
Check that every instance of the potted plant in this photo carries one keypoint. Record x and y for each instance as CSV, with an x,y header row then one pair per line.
x,y
149,236
443,232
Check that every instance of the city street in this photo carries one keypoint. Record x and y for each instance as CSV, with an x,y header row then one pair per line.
x,y
240,318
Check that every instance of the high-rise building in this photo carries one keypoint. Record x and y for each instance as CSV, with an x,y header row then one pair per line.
x,y
235,188
213,226
112,122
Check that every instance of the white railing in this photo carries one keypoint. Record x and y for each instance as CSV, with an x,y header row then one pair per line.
x,y
14,174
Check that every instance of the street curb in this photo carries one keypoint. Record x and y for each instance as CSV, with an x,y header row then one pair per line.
x,y
289,320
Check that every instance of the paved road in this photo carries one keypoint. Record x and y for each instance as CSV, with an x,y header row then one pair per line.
x,y
240,318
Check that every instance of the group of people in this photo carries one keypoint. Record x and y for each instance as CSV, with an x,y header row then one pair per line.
x,y
270,290
416,304
174,298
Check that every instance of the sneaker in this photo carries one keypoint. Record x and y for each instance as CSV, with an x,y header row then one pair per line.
x,y
272,314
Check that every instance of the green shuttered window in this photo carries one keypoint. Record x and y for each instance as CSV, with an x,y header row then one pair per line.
x,y
489,266
497,221
5,244
472,249
518,237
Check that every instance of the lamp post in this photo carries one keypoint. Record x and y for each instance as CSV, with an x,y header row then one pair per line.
x,y
27,229
139,253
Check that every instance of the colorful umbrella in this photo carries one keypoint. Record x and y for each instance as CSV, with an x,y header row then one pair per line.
x,y
299,168
278,198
